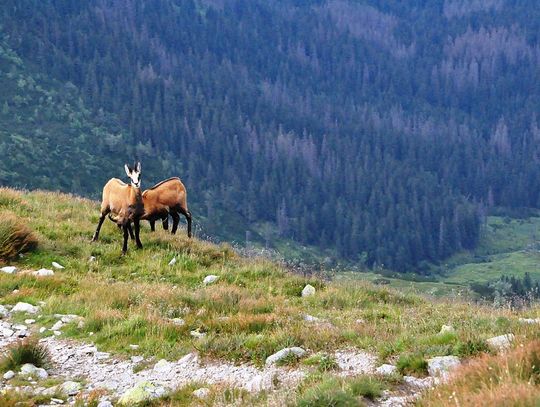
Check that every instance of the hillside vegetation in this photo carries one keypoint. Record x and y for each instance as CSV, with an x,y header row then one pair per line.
x,y
253,310
382,131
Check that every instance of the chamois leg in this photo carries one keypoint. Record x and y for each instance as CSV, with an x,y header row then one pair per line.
x,y
152,225
101,219
125,245
130,230
187,214
137,224
165,222
175,220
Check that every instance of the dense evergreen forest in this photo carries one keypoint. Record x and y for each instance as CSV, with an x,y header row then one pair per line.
x,y
380,129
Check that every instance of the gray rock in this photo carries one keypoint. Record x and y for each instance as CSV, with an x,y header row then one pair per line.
x,y
308,291
163,366
19,327
10,374
201,393
143,391
25,307
178,321
42,329
28,369
197,334
172,262
105,403
57,326
210,279
442,365
57,265
137,359
3,311
310,318
91,259
44,273
529,320
386,370
134,347
447,329
501,342
29,321
6,332
9,269
70,388
56,401
283,353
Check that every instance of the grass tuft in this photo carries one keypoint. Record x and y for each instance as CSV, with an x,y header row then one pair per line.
x,y
367,386
15,237
26,351
412,364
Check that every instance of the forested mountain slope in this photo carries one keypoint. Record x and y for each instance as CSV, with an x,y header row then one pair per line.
x,y
381,129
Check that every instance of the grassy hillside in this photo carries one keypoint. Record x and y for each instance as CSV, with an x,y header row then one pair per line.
x,y
252,311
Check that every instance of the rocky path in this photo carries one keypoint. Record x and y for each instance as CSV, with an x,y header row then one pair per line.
x,y
124,379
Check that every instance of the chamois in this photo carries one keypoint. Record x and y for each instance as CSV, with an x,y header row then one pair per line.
x,y
123,203
166,197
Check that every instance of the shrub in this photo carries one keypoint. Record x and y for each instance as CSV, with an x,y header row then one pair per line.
x,y
412,363
27,351
470,348
367,386
328,393
15,237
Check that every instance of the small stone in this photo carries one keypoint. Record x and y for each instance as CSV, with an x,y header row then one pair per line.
x,y
42,329
6,332
41,373
529,320
133,346
283,353
447,329
257,384
29,321
210,279
57,401
197,334
201,393
137,359
57,326
442,365
57,265
25,307
386,370
172,262
178,321
308,291
70,388
44,273
105,403
309,318
57,333
10,374
3,311
80,324
102,355
501,342
19,327
9,269
92,259
28,369
162,366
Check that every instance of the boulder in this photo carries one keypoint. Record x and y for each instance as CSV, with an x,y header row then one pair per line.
x,y
442,365
283,353
308,291
142,391
70,388
9,269
44,273
386,370
210,279
500,342
201,393
25,307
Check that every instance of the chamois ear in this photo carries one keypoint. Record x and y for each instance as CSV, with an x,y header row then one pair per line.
x,y
138,166
128,171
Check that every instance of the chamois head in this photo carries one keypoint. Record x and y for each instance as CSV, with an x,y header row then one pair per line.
x,y
134,174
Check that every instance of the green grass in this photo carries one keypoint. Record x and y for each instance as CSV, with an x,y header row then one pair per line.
x,y
252,311
26,351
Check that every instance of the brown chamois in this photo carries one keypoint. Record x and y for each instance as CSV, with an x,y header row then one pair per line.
x,y
164,198
123,203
